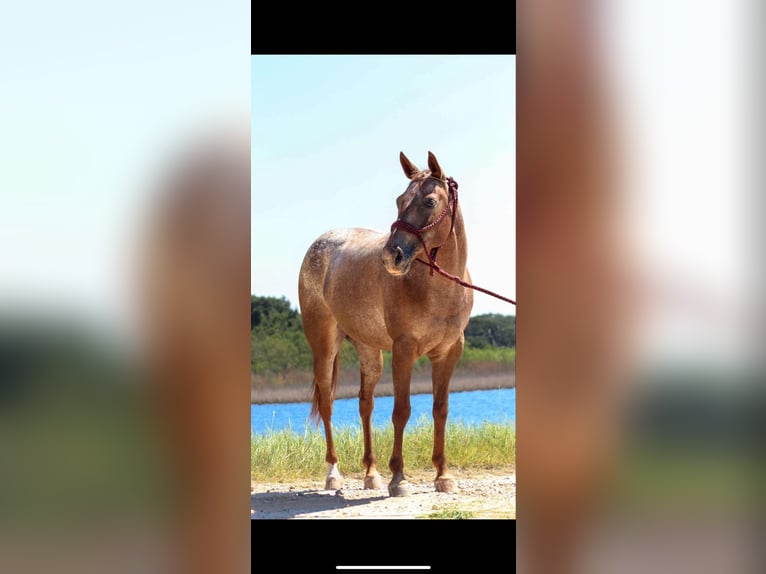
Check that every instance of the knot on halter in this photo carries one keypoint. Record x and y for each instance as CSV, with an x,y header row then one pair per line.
x,y
417,231
432,264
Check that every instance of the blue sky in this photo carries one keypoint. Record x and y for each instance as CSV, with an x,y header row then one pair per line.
x,y
88,129
96,102
327,132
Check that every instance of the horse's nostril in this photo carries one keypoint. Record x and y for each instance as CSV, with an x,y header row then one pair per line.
x,y
399,255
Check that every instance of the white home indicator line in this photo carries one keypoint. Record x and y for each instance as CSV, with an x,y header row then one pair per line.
x,y
382,567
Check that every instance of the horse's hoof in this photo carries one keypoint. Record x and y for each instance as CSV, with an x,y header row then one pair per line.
x,y
333,483
373,482
445,484
400,489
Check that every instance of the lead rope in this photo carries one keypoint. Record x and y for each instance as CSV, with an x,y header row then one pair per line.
x,y
435,267
432,254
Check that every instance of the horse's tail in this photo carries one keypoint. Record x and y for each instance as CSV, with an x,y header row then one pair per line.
x,y
314,415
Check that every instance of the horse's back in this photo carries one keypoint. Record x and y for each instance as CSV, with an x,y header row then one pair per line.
x,y
336,249
315,265
341,275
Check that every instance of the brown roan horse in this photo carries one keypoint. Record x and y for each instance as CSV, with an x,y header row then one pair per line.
x,y
366,287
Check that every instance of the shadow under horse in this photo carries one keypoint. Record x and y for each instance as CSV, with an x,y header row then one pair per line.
x,y
363,285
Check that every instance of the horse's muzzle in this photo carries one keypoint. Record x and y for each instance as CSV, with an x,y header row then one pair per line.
x,y
397,260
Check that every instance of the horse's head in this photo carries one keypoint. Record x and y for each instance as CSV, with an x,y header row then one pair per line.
x,y
422,207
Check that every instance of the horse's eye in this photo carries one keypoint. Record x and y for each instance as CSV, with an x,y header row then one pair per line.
x,y
430,202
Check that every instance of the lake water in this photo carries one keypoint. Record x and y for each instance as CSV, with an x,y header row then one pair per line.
x,y
469,407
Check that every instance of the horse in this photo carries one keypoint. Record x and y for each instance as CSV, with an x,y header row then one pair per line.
x,y
363,286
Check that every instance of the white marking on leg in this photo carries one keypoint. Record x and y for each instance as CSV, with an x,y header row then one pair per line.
x,y
332,471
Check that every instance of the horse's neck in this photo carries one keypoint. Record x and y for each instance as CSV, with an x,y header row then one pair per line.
x,y
453,253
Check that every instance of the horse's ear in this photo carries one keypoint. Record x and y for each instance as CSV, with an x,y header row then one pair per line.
x,y
433,165
409,168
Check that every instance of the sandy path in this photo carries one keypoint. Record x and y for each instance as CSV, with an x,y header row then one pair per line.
x,y
485,495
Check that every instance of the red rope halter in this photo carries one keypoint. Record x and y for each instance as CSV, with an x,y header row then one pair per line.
x,y
418,232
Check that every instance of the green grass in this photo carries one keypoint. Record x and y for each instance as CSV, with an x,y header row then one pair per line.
x,y
450,513
289,454
496,355
686,477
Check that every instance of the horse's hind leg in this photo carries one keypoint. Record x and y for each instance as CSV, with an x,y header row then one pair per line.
x,y
329,372
371,367
324,338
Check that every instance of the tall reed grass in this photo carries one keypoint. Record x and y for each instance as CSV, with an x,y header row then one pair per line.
x,y
291,454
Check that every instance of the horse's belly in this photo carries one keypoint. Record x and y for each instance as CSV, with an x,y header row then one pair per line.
x,y
363,322
441,340
352,286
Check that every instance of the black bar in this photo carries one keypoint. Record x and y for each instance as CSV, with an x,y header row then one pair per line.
x,y
325,29
444,545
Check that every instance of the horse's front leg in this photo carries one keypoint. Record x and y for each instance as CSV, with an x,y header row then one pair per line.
x,y
403,359
442,368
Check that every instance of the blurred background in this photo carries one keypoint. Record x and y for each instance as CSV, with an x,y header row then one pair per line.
x,y
124,245
641,321
124,259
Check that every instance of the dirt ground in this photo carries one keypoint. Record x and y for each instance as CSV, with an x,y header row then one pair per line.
x,y
349,388
481,495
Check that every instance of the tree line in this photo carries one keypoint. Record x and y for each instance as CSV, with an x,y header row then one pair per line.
x,y
277,342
